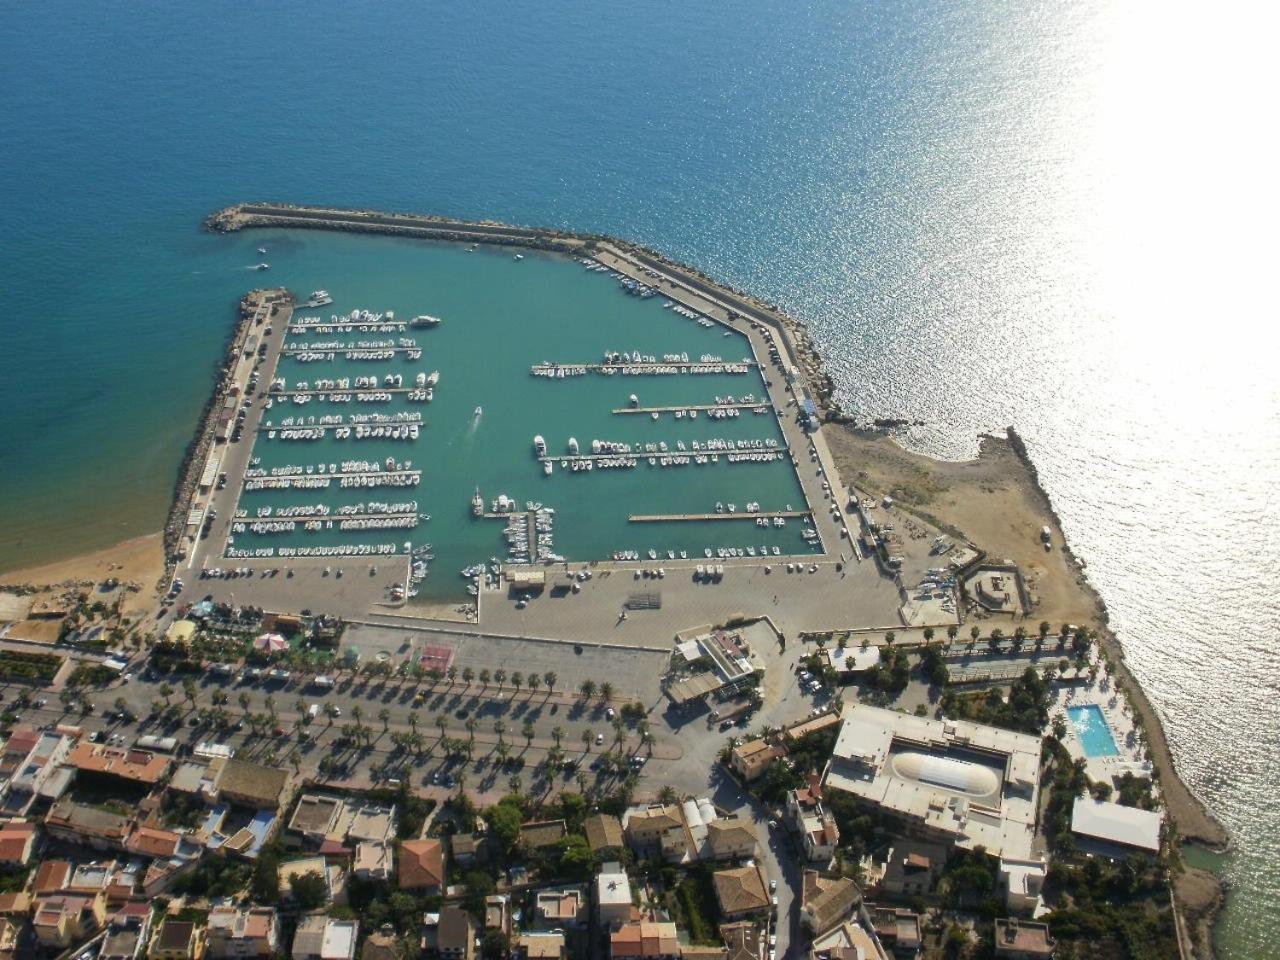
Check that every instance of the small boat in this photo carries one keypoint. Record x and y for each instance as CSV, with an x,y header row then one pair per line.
x,y
546,467
518,256
479,410
263,266
424,320
262,249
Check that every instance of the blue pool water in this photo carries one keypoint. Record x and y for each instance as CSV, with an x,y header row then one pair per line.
x,y
1093,730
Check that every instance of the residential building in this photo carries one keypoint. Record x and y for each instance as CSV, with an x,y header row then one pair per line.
x,y
30,761
243,933
658,829
644,940
17,842
912,868
604,832
127,937
373,861
382,944
1023,882
91,826
542,835
464,847
730,838
252,785
826,902
613,895
898,929
62,919
749,760
370,823
1023,940
293,869
422,865
1111,830
9,933
846,941
497,913
947,781
315,818
456,935
540,946
178,940
741,891
557,909
123,763
742,941
817,828
325,938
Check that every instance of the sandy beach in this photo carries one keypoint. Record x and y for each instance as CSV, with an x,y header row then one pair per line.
x,y
139,560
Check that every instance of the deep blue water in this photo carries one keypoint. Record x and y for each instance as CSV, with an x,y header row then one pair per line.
x,y
1049,215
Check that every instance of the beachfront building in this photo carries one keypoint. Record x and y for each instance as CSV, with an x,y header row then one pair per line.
x,y
1107,829
948,781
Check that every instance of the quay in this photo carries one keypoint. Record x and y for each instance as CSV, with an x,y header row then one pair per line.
x,y
691,366
762,407
762,514
338,391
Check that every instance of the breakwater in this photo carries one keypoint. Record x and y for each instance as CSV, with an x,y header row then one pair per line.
x,y
737,303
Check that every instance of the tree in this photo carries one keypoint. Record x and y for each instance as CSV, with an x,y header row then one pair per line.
x,y
534,681
499,677
309,890
557,734
470,724
121,704
270,704
500,727
975,632
928,634
550,678
189,690
517,680
667,795
244,702
468,675
606,691
588,689
953,631
587,737
385,716
166,691
441,723
357,714
265,886
484,678
527,730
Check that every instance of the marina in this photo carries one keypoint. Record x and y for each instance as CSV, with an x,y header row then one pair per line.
x,y
485,405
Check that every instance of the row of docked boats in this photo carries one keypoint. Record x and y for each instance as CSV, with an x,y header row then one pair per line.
x,y
562,371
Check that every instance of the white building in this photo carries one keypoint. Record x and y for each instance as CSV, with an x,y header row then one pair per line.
x,y
949,781
1109,829
613,894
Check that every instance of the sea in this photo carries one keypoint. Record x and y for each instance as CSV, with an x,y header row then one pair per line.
x,y
1053,216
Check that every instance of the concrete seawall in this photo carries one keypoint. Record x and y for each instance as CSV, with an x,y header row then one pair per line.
x,y
795,336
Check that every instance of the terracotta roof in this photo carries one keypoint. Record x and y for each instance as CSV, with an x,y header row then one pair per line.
x,y
381,946
15,843
128,764
150,842
174,935
603,831
829,900
252,783
741,890
655,818
743,940
421,864
644,938
11,903
51,875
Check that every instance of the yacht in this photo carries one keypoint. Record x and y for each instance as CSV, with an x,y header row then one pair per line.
x,y
424,320
546,467
479,410
263,266
539,445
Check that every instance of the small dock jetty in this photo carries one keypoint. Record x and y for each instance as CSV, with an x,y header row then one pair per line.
x,y
700,407
669,517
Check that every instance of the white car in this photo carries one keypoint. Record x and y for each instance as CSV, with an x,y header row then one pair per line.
x,y
773,884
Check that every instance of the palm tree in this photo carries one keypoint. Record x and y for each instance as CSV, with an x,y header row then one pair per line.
x,y
534,681
527,730
471,728
500,727
606,691
581,779
413,722
557,734
618,730
244,702
270,704
121,704
300,705
468,675
928,634
385,716
953,631
452,674
550,678
166,691
975,632
517,680
189,690
667,795
503,751
484,679
499,676
587,737
588,689
515,783
441,722
357,713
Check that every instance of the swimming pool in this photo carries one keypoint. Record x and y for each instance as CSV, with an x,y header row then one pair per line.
x,y
1093,730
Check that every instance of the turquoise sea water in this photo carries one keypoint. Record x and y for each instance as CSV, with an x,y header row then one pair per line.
x,y
1042,214
1093,730
500,316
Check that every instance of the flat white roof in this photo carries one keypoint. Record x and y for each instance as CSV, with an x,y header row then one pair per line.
x,y
1127,826
339,939
613,888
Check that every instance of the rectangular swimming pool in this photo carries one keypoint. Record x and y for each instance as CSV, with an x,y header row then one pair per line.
x,y
1093,730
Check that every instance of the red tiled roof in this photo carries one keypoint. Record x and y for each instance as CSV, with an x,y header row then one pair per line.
x,y
52,875
421,864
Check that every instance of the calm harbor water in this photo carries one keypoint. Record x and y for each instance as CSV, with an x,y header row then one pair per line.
x,y
1047,215
500,316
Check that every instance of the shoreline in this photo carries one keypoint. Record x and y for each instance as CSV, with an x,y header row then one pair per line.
x,y
1196,823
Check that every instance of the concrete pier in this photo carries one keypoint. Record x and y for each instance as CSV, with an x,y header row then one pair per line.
x,y
665,517
700,407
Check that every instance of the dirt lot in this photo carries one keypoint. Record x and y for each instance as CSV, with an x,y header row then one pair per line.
x,y
992,501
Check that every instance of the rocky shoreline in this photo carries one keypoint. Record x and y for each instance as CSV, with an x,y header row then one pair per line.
x,y
1194,820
